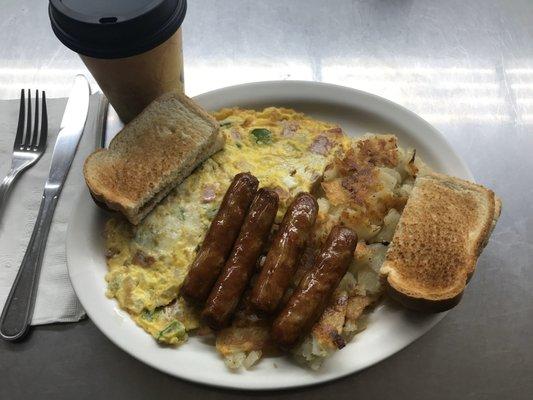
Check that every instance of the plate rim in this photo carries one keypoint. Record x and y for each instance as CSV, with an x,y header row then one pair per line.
x,y
298,84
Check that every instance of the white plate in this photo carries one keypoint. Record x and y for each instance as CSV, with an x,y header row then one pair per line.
x,y
390,329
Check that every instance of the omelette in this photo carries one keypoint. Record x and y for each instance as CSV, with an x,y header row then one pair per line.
x,y
285,150
362,183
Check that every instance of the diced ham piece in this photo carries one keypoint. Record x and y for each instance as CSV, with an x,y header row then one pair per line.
x,y
209,193
321,145
337,131
289,128
142,259
235,134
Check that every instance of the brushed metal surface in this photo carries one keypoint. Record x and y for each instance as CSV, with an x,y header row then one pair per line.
x,y
466,67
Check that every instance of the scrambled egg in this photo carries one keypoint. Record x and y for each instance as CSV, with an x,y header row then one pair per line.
x,y
285,150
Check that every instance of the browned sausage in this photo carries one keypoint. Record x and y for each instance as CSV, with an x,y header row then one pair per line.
x,y
220,237
238,270
311,296
281,260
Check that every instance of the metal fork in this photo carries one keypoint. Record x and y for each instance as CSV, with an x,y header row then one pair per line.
x,y
29,145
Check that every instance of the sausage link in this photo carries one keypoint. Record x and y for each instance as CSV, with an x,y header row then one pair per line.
x,y
287,246
240,266
311,296
220,237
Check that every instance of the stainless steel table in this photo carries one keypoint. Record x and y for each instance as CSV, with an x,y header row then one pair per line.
x,y
466,67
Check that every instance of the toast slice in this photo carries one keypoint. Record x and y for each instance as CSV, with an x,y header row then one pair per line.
x,y
151,155
443,228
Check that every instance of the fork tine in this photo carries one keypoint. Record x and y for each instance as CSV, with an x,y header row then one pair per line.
x,y
44,124
27,136
35,134
20,126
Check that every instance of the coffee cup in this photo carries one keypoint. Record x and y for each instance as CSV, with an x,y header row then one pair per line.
x,y
133,48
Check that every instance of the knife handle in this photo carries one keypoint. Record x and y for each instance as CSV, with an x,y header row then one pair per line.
x,y
18,310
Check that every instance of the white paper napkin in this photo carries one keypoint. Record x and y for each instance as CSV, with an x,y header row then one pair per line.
x,y
56,300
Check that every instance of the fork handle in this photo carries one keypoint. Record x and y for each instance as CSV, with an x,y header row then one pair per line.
x,y
18,310
5,188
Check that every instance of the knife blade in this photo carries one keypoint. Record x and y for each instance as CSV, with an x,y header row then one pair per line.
x,y
18,310
101,121
70,132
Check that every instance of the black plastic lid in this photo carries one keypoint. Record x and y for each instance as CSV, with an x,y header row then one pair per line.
x,y
115,28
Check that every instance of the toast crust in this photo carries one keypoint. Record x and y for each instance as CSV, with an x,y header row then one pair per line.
x,y
443,229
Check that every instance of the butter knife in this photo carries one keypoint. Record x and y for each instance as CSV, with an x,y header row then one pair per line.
x,y
18,310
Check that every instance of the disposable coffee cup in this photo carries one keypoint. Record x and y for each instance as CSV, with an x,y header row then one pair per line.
x,y
132,47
